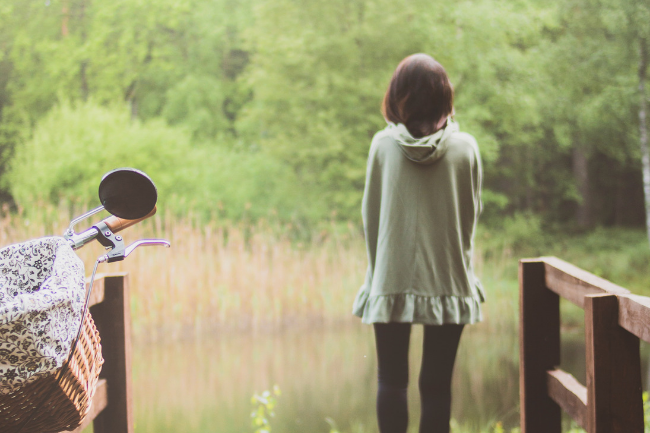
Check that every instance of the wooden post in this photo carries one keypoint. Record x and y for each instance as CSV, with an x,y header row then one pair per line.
x,y
539,349
113,320
613,370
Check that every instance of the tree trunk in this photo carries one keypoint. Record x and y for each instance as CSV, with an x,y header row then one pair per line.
x,y
129,96
84,63
643,132
581,174
65,17
84,81
134,108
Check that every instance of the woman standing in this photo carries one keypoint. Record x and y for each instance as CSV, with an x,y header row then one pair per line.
x,y
420,206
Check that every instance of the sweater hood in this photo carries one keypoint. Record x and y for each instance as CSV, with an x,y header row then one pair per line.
x,y
424,150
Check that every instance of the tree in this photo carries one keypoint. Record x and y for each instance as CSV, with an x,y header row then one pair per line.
x,y
629,22
319,70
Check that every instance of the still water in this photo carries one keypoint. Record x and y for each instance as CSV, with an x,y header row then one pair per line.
x,y
207,385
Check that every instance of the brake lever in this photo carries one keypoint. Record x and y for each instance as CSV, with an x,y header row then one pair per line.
x,y
146,243
141,243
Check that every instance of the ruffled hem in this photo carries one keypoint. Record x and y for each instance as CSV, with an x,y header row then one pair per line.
x,y
409,308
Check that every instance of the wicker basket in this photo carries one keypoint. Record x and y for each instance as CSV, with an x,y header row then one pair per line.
x,y
58,402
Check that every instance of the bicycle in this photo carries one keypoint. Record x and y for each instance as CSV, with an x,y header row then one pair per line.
x,y
50,352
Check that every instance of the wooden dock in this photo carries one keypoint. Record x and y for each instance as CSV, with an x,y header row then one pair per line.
x,y
615,322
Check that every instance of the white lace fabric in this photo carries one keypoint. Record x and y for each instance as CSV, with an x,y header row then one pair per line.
x,y
42,288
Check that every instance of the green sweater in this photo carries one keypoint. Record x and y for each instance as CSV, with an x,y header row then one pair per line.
x,y
420,206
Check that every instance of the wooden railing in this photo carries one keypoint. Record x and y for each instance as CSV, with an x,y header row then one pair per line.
x,y
112,407
615,320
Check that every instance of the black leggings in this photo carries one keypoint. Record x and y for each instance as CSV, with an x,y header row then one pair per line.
x,y
439,354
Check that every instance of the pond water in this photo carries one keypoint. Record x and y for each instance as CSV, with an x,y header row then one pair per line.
x,y
207,385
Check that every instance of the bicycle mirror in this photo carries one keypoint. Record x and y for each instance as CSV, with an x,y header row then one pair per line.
x,y
127,193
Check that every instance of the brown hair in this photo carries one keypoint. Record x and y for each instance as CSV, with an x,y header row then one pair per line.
x,y
419,95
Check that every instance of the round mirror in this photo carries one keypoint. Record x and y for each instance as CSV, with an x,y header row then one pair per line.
x,y
127,193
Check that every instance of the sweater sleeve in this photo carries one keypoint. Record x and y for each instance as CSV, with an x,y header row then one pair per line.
x,y
477,173
478,182
371,204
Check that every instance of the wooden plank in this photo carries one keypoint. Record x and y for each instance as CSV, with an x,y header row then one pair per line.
x,y
539,349
573,283
598,322
99,403
627,407
634,315
97,295
613,370
569,394
113,320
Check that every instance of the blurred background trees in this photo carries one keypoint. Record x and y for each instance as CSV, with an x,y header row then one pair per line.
x,y
253,108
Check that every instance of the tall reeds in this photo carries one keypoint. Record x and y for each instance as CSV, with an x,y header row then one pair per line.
x,y
221,276
249,276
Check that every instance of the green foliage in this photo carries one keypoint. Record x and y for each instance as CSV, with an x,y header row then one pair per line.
x,y
143,52
197,102
318,74
616,254
264,404
300,83
74,145
522,232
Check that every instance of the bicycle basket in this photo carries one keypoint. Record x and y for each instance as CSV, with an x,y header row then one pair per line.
x,y
42,289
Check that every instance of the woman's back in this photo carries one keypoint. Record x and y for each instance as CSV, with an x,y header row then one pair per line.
x,y
420,207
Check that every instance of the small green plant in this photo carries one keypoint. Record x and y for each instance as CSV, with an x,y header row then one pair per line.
x,y
498,428
263,405
333,427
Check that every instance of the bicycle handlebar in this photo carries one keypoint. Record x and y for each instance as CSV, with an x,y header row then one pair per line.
x,y
117,224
